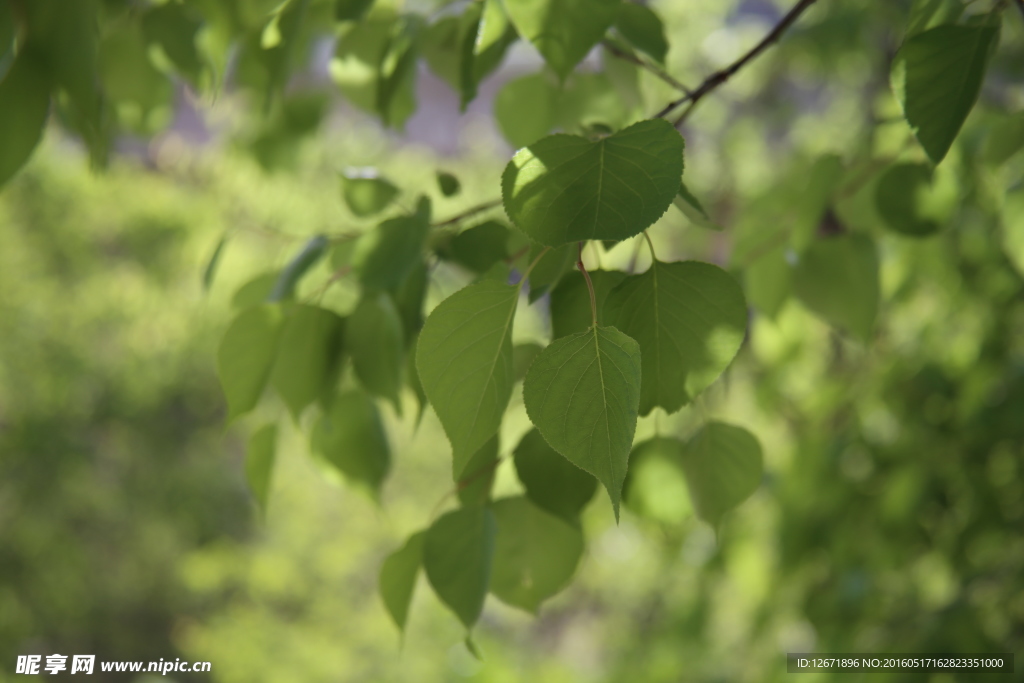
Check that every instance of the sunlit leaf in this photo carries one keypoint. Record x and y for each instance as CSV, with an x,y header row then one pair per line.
x,y
689,319
535,553
457,556
583,393
464,358
565,188
563,31
656,487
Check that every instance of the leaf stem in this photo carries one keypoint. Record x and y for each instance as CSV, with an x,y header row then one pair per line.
x,y
472,211
650,245
590,285
719,77
535,261
644,64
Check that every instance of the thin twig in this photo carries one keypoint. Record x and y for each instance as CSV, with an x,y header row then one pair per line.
x,y
644,64
479,208
719,77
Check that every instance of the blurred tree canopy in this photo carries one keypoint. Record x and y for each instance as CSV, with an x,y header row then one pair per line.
x,y
752,273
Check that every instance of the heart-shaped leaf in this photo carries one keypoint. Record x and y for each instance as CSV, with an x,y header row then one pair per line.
x,y
563,31
565,188
723,466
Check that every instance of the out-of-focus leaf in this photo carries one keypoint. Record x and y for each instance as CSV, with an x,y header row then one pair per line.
x,y
643,29
254,291
837,278
397,579
211,266
173,27
525,108
308,356
1005,138
24,104
550,268
522,358
366,193
563,31
397,66
300,264
551,481
350,437
1013,228
723,466
479,247
457,556
691,207
476,479
385,256
351,10
535,553
656,487
908,202
246,355
448,184
769,281
259,462
374,340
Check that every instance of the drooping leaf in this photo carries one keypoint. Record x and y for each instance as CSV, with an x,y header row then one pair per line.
x,y
907,202
409,298
570,300
351,10
350,437
24,105
639,25
479,247
374,340
565,188
583,394
464,358
311,253
412,377
522,357
937,76
246,355
656,487
563,31
308,356
723,466
398,64
535,553
551,481
448,184
457,556
259,462
691,207
837,278
689,319
477,477
525,108
384,256
494,35
397,579
210,271
366,193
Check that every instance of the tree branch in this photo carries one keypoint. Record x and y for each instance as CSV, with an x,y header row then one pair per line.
x,y
479,208
719,77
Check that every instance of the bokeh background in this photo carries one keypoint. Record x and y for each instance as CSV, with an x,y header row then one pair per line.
x,y
891,512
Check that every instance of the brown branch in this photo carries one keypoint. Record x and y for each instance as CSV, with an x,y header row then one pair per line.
x,y
719,77
480,208
644,64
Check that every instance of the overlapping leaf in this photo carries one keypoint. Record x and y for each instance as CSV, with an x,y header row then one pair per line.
x,y
458,552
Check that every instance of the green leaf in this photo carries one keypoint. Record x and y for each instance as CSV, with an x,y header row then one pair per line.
x,y
925,14
366,193
259,462
570,300
535,553
350,437
413,378
141,94
441,43
479,248
246,355
906,201
409,298
495,34
583,393
351,10
591,105
656,487
311,253
211,266
689,319
374,340
398,65
643,29
24,105
457,556
525,108
1005,138
563,31
550,268
255,291
769,281
551,481
837,278
691,207
448,184
308,356
1013,228
937,76
816,189
565,188
385,256
723,467
476,479
522,357
464,358
398,578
